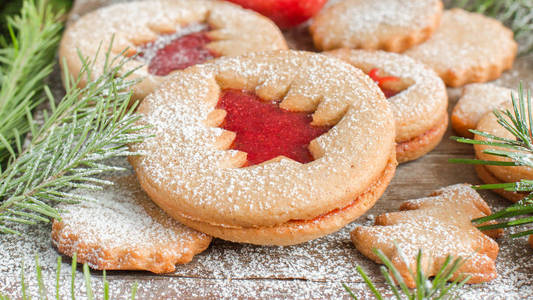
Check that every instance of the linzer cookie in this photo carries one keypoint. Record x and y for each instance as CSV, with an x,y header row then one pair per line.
x,y
439,225
466,48
122,229
166,36
477,100
418,97
272,148
391,25
499,174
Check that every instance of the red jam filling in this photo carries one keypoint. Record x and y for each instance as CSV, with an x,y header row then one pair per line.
x,y
382,80
264,130
178,53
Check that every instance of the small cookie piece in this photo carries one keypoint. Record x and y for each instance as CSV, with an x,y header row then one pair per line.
x,y
122,229
467,47
391,25
417,94
166,35
440,225
477,100
531,240
499,174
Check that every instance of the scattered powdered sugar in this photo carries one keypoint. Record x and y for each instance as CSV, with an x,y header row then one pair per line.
x,y
313,270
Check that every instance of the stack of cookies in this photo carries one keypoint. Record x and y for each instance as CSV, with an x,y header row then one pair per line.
x,y
254,143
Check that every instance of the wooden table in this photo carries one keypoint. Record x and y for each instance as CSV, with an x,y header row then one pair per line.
x,y
312,270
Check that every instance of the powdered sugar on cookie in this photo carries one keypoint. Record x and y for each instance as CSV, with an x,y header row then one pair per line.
x,y
467,47
440,226
191,162
391,25
120,228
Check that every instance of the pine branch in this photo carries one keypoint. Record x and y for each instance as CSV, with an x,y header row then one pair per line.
x,y
89,294
519,152
438,288
25,61
70,150
516,14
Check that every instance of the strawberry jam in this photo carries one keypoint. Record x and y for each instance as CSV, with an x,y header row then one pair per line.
x,y
381,81
264,130
178,51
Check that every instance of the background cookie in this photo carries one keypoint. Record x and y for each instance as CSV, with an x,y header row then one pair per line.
x,y
417,95
219,28
477,100
467,47
391,25
498,174
440,225
122,229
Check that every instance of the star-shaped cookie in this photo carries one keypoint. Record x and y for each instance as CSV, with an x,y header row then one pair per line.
x,y
440,225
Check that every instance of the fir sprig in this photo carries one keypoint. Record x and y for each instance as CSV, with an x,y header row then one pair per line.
x,y
70,149
43,293
516,14
26,59
518,151
438,288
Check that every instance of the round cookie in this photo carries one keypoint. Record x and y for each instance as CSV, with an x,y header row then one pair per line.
x,y
177,32
467,47
498,174
391,25
191,170
120,228
477,100
418,98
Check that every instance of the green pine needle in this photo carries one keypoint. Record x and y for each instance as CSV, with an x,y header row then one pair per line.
x,y
519,152
516,14
89,126
25,61
89,294
438,288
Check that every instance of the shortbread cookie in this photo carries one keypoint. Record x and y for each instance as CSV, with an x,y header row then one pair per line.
x,y
477,100
439,225
196,169
499,174
122,229
166,35
417,94
467,47
391,25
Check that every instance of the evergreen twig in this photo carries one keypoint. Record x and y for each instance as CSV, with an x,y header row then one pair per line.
x,y
519,152
89,126
89,290
25,61
438,288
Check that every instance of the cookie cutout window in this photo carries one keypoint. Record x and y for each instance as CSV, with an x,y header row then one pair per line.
x,y
176,51
389,85
264,130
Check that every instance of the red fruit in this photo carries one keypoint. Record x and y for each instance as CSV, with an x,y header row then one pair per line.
x,y
285,13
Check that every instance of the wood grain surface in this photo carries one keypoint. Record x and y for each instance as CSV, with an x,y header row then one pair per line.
x,y
314,270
